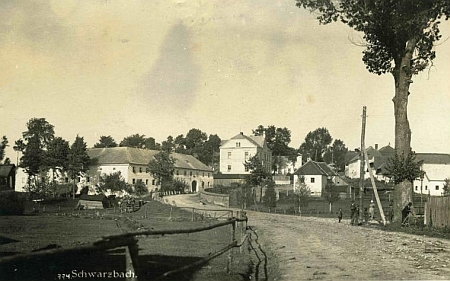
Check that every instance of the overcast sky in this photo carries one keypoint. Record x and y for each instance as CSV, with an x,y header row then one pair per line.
x,y
159,68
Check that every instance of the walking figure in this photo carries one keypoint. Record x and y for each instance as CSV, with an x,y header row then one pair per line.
x,y
340,214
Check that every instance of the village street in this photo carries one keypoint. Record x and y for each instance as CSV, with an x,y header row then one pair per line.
x,y
306,248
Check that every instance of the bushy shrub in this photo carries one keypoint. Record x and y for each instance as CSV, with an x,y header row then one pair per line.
x,y
11,203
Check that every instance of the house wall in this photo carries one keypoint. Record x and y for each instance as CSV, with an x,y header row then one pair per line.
x,y
235,152
202,179
434,180
133,173
316,183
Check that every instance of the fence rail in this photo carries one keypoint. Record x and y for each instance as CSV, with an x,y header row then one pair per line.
x,y
129,241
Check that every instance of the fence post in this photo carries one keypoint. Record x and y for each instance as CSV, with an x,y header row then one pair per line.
x,y
131,254
170,216
230,252
193,211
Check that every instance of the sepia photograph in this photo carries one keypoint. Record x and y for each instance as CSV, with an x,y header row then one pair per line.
x,y
197,140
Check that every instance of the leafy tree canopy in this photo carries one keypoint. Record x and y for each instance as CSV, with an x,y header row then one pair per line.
x,y
57,155
401,168
162,167
336,154
105,141
257,172
316,144
34,144
3,146
113,182
78,159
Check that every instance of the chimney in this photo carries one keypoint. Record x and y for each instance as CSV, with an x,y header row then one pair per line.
x,y
376,146
242,133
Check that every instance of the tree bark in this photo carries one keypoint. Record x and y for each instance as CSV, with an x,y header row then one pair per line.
x,y
402,76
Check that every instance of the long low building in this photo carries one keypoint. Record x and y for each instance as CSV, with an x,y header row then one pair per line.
x,y
132,163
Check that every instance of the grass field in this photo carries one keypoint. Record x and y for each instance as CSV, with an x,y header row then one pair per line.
x,y
61,226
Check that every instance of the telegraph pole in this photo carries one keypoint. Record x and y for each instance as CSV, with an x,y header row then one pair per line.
x,y
362,171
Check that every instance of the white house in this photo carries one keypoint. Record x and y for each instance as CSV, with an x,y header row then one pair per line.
x,y
378,160
437,169
316,175
132,163
240,148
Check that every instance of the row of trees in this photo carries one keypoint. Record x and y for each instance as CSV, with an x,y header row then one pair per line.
x,y
42,152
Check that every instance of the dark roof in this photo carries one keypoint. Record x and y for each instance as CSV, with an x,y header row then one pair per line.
x,y
139,156
315,168
256,140
92,197
350,155
6,170
387,151
433,158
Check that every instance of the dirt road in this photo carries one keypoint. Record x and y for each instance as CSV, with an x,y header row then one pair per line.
x,y
305,248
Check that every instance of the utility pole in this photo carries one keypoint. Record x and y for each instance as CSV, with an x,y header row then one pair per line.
x,y
361,170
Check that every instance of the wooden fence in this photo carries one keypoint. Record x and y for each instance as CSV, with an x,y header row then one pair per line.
x,y
129,241
437,212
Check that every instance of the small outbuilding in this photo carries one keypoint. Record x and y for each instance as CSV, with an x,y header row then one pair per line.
x,y
92,201
7,176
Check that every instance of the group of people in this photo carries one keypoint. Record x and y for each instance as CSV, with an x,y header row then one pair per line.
x,y
369,214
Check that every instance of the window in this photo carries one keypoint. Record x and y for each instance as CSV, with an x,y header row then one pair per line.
x,y
238,144
203,174
426,187
208,175
313,180
246,155
178,172
147,170
153,181
88,179
229,168
246,168
229,155
417,187
190,173
302,179
134,169
146,181
114,168
437,187
185,173
66,180
134,181
140,169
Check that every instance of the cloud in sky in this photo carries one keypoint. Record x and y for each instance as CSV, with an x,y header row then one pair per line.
x,y
163,67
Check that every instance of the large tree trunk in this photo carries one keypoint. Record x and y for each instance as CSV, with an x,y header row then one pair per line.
x,y
402,77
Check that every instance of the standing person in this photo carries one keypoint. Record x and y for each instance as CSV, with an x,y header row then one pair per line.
x,y
371,210
391,211
352,212
340,214
366,216
405,213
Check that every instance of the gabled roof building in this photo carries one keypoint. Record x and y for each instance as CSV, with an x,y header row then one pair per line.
x,y
132,163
